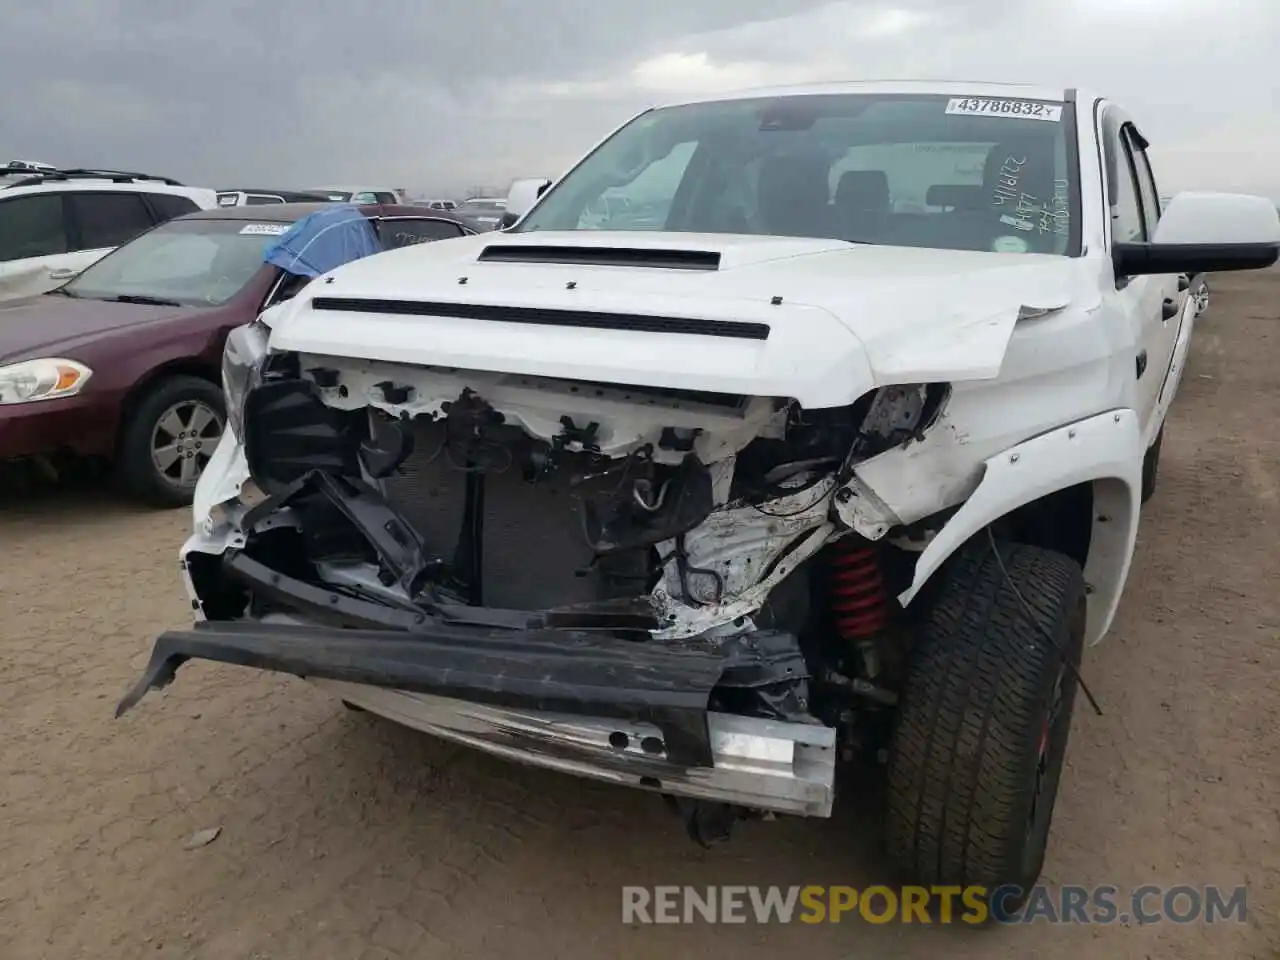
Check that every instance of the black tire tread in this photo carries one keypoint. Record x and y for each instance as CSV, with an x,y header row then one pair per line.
x,y
958,786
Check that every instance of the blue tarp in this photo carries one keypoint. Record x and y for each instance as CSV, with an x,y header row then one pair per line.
x,y
323,240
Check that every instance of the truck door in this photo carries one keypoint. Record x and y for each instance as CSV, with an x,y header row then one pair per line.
x,y
1176,311
1149,303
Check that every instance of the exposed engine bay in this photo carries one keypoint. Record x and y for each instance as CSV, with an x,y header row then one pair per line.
x,y
527,494
393,496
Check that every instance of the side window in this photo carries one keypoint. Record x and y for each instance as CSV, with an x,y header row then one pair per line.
x,y
364,196
108,219
384,198
32,226
170,205
404,233
1146,185
1127,224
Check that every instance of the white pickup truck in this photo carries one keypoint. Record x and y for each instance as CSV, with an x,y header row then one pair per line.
x,y
834,444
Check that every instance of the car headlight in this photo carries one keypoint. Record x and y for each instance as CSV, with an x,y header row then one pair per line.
x,y
44,379
242,358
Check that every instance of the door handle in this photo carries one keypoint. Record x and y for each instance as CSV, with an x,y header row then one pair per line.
x,y
1142,363
1184,283
1169,310
61,274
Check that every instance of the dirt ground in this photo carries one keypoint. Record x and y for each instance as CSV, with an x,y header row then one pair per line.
x,y
346,837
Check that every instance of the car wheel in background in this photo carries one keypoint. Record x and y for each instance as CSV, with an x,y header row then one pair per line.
x,y
168,439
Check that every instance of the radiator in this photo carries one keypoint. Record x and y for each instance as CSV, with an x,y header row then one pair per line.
x,y
534,547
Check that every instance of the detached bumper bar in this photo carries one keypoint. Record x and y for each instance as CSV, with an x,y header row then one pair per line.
x,y
549,670
594,706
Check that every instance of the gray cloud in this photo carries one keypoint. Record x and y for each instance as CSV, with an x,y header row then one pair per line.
x,y
300,91
456,92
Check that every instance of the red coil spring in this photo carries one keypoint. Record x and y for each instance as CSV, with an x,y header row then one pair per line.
x,y
859,598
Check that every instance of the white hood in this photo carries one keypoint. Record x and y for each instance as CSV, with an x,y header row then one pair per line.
x,y
842,318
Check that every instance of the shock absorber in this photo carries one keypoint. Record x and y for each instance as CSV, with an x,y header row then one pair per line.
x,y
859,597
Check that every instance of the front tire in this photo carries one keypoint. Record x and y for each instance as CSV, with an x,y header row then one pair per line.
x,y
168,439
980,738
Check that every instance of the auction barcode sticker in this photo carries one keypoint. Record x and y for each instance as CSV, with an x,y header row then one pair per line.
x,y
1010,109
265,229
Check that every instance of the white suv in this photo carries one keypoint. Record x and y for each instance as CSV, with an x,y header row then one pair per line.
x,y
54,223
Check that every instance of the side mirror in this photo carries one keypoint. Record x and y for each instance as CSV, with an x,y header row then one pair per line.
x,y
1206,233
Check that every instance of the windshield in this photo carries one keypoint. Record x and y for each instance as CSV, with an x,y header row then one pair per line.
x,y
485,206
956,173
187,262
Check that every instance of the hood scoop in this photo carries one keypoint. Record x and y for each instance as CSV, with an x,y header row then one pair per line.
x,y
590,256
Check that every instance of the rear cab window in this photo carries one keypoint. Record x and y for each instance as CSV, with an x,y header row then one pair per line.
x,y
404,232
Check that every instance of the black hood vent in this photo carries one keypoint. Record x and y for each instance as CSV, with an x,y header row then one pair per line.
x,y
601,256
540,316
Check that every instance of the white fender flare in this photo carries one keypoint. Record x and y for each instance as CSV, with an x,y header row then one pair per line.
x,y
1105,450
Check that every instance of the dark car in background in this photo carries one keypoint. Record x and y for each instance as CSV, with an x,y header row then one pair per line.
x,y
123,364
485,212
361,194
257,197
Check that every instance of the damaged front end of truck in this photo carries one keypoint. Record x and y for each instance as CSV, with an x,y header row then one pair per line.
x,y
648,586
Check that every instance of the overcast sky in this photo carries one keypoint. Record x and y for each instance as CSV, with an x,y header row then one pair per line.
x,y
441,94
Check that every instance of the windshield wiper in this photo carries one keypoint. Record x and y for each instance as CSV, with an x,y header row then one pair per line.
x,y
143,299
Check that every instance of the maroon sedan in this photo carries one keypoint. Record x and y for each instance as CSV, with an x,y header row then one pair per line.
x,y
123,363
